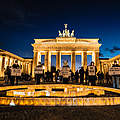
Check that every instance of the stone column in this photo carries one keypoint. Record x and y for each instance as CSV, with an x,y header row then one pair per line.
x,y
84,59
47,61
119,61
0,65
11,61
58,60
8,61
39,57
73,61
34,62
29,68
101,67
24,67
95,59
3,65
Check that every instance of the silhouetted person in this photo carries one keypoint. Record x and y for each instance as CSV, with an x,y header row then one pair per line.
x,y
115,78
51,76
72,76
107,78
100,78
15,66
56,75
65,72
39,73
81,72
47,76
77,76
8,74
92,73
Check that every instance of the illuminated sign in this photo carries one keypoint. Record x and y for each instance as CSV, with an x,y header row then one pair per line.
x,y
114,71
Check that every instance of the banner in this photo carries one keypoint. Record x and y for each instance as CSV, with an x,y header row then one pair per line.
x,y
65,72
91,70
114,71
38,70
15,72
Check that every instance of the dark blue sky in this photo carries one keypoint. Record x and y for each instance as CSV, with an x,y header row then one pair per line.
x,y
23,20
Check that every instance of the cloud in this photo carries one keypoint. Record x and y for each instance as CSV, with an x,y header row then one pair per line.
x,y
113,50
116,48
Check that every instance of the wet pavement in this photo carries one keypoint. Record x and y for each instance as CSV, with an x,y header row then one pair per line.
x,y
60,113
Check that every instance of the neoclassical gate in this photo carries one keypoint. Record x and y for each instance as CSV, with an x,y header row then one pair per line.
x,y
65,44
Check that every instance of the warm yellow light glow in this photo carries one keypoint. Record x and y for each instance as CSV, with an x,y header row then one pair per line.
x,y
62,101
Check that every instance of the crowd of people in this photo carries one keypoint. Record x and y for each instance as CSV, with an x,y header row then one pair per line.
x,y
81,76
13,79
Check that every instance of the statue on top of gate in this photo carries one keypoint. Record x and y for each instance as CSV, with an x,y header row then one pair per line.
x,y
66,32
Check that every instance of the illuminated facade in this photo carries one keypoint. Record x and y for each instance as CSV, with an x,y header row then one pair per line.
x,y
106,63
65,44
7,59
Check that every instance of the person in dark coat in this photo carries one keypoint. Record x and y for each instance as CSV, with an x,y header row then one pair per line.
x,y
51,76
47,76
15,66
115,78
102,78
56,75
99,77
65,72
81,72
92,78
108,78
77,76
72,76
39,75
8,74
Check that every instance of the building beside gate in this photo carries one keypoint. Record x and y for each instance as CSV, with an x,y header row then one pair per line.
x,y
8,59
105,64
65,44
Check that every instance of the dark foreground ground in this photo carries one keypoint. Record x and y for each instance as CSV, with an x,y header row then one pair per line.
x,y
59,113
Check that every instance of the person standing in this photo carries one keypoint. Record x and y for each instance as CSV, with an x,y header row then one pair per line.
x,y
81,72
56,75
47,76
77,76
7,74
65,72
99,78
72,76
115,77
15,66
39,73
92,74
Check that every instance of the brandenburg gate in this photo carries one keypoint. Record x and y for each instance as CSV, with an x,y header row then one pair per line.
x,y
65,44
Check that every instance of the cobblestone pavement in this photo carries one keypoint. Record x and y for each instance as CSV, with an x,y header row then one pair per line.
x,y
59,113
